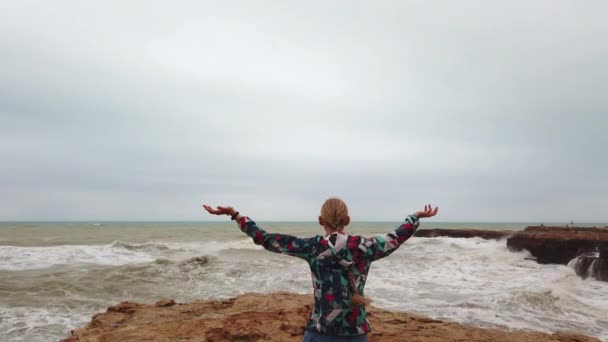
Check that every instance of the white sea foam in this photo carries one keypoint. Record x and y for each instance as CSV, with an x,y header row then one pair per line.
x,y
23,258
13,258
26,324
481,282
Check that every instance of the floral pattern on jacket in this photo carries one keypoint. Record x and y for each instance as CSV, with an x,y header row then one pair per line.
x,y
331,258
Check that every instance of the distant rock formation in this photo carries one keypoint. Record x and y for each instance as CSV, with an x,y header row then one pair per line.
x,y
465,233
559,245
275,317
583,248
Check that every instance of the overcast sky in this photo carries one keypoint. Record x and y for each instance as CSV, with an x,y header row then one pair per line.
x,y
135,110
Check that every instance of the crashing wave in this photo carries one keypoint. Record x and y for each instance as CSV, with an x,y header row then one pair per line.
x,y
591,265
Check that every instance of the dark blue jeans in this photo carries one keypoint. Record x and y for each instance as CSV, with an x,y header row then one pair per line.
x,y
310,336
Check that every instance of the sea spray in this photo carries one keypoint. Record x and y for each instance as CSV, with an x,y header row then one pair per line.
x,y
23,258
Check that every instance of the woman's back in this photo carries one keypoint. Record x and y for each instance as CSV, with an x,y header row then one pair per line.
x,y
337,269
339,265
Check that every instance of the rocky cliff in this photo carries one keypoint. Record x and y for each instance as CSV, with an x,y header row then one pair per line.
x,y
584,248
559,245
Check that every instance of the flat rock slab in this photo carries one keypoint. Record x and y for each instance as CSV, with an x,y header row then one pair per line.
x,y
274,317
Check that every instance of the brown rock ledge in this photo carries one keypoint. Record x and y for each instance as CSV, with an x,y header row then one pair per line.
x,y
559,245
276,317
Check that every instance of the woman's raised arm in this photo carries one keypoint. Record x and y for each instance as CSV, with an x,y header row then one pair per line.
x,y
277,243
379,247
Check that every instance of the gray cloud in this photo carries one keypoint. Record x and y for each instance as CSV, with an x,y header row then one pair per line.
x,y
144,110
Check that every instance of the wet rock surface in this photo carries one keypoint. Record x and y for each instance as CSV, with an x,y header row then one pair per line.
x,y
274,317
559,245
592,265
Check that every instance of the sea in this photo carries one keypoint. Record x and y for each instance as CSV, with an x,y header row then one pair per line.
x,y
54,276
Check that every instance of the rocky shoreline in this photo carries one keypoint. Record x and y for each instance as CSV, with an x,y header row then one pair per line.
x,y
282,316
585,248
275,317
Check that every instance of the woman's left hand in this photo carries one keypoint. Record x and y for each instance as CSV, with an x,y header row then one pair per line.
x,y
220,210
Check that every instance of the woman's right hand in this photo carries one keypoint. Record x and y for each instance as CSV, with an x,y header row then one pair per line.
x,y
427,212
220,210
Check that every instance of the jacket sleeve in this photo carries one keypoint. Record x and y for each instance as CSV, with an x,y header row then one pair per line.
x,y
279,243
380,246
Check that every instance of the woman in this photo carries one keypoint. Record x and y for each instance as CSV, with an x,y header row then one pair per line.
x,y
339,263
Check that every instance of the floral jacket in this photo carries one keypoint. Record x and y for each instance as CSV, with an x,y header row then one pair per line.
x,y
330,258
